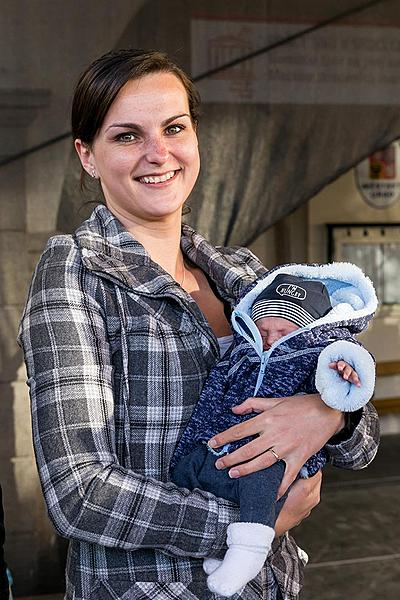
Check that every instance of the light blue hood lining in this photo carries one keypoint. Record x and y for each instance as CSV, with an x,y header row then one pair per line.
x,y
351,292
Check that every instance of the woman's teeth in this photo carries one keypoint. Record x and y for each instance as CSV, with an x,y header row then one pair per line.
x,y
157,178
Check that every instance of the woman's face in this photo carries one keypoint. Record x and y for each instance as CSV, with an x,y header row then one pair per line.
x,y
146,152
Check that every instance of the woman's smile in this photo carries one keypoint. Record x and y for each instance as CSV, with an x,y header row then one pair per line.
x,y
156,179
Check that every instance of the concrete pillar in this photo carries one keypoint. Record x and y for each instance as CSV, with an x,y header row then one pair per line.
x,y
27,528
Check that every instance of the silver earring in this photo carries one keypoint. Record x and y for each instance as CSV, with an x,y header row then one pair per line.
x,y
93,173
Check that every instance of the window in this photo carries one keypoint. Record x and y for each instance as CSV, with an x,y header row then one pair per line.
x,y
375,248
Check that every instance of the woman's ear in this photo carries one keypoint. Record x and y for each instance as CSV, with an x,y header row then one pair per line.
x,y
86,157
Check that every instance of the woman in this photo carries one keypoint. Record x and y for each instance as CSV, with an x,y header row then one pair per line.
x,y
119,333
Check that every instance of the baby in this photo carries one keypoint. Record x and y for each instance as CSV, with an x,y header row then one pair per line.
x,y
293,334
275,318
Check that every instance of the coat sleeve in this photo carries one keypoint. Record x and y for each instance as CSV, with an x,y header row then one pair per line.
x,y
357,444
335,391
359,447
90,496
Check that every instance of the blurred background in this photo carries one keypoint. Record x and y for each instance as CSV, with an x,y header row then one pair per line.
x,y
300,162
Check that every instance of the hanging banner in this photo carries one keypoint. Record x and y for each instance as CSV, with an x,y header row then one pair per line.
x,y
378,177
341,64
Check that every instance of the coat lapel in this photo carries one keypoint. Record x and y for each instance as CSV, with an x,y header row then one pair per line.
x,y
111,252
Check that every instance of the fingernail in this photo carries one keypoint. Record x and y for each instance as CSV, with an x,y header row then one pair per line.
x,y
219,465
233,473
212,443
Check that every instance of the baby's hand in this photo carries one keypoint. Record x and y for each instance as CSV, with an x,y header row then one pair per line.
x,y
346,371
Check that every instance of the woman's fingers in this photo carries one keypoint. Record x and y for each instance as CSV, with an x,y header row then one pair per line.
x,y
260,461
248,428
237,432
288,478
294,427
256,405
294,461
249,451
303,496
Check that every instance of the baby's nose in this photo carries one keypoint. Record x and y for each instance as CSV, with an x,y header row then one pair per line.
x,y
271,338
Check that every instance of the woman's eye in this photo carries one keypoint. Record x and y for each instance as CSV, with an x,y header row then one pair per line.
x,y
173,129
126,137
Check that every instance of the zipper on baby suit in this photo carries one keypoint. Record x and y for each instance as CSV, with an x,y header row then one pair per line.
x,y
267,353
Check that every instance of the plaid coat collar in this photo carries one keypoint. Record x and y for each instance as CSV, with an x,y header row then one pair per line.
x,y
113,253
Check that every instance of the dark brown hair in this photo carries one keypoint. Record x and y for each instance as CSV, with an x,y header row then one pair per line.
x,y
100,83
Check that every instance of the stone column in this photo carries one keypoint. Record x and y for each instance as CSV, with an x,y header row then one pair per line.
x,y
26,526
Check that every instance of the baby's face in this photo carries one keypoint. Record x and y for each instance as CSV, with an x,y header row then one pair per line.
x,y
273,328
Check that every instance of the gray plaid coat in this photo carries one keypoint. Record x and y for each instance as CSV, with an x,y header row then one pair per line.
x,y
117,354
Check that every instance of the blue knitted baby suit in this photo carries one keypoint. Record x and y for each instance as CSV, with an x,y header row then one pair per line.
x,y
290,370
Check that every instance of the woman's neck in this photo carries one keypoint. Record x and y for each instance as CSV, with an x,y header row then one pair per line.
x,y
164,249
161,239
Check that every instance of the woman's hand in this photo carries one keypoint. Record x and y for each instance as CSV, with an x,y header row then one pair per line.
x,y
294,427
302,498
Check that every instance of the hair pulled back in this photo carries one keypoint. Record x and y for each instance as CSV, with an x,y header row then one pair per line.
x,y
100,83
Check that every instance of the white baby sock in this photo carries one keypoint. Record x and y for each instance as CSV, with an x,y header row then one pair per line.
x,y
248,546
210,564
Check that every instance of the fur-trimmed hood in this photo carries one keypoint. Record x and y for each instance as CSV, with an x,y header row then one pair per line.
x,y
351,292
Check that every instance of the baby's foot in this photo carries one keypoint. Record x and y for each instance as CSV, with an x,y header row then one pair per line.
x,y
211,564
248,546
227,582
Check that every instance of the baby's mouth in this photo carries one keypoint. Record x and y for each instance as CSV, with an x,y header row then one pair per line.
x,y
152,179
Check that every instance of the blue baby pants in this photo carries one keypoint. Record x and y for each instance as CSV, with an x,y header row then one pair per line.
x,y
255,493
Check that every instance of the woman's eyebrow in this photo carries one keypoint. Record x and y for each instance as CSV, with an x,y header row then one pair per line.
x,y
124,126
140,128
167,121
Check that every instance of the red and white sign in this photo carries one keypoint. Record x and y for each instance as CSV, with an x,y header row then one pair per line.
x,y
378,177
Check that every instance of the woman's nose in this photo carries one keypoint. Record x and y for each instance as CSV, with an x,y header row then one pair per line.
x,y
157,150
